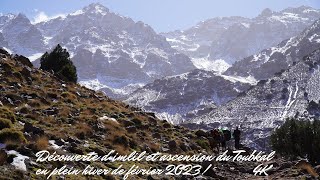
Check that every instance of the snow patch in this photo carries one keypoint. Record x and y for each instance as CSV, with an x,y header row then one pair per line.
x,y
18,161
219,65
250,79
54,145
8,50
106,118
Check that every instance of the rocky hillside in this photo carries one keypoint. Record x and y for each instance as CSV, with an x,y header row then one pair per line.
x,y
234,38
182,97
47,113
40,112
111,52
292,92
269,61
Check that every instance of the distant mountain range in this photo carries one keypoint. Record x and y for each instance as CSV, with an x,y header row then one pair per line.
x,y
222,72
292,91
117,55
206,94
217,43
111,52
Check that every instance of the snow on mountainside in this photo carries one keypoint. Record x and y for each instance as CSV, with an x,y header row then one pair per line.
x,y
269,61
182,97
234,38
105,47
293,92
20,35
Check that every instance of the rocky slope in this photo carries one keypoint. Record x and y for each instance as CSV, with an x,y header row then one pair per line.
x,y
111,52
292,92
45,113
269,61
182,97
234,38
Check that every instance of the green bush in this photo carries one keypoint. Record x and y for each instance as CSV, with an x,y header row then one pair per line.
x,y
59,61
7,114
203,143
11,135
5,123
298,138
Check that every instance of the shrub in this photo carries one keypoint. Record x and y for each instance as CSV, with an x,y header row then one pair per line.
x,y
83,131
5,123
7,114
11,135
42,143
298,138
59,62
137,121
121,140
203,143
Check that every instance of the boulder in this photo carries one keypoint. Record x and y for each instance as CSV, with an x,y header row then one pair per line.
x,y
2,51
23,60
172,145
26,72
131,129
28,127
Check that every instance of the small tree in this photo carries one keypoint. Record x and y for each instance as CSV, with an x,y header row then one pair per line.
x,y
59,62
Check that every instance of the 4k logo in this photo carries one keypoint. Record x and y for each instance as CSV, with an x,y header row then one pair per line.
x,y
262,170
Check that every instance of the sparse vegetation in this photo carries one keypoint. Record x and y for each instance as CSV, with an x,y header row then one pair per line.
x,y
5,123
7,114
12,135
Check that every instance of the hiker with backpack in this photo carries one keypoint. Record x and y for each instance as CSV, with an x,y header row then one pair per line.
x,y
236,135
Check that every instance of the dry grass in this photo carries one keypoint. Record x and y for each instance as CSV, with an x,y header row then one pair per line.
x,y
83,130
42,143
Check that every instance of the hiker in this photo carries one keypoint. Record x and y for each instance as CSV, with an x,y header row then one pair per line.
x,y
236,135
222,140
227,136
215,139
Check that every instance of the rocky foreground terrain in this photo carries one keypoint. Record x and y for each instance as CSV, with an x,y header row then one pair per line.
x,y
39,111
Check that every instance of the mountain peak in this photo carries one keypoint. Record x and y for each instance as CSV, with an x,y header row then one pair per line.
x,y
21,18
96,8
266,12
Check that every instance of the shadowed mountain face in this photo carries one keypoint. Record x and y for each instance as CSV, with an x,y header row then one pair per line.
x,y
182,97
110,51
21,36
269,61
234,38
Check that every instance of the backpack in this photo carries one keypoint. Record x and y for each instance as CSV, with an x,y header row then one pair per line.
x,y
227,135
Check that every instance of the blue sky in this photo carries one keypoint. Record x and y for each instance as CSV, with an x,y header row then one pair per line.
x,y
162,15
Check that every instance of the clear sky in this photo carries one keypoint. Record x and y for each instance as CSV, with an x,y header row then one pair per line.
x,y
162,15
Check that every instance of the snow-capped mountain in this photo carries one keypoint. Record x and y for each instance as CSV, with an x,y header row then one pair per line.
x,y
20,35
263,65
111,52
234,38
291,93
291,88
182,97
